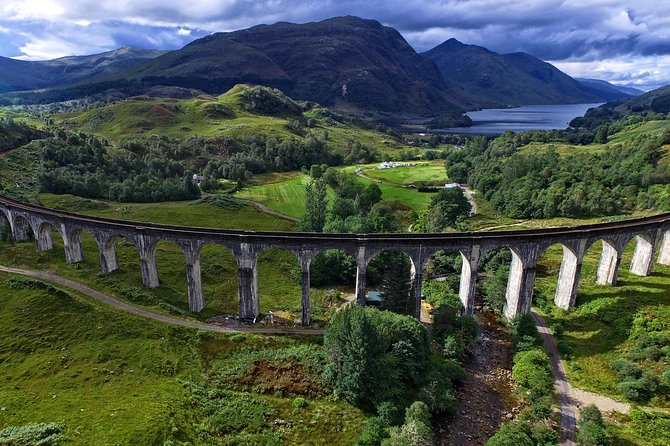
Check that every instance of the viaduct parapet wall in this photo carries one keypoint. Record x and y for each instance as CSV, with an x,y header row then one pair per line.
x,y
651,234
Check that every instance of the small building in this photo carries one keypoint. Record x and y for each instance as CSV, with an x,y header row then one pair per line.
x,y
451,185
198,178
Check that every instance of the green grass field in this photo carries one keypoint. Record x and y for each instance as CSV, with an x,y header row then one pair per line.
x,y
561,148
432,173
282,193
117,379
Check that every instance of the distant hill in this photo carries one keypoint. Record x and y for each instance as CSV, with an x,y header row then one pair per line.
x,y
344,62
507,79
18,75
654,101
607,91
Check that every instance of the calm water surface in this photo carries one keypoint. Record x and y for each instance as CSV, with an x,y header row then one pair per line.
x,y
495,121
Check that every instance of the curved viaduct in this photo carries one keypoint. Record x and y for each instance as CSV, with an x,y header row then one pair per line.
x,y
652,234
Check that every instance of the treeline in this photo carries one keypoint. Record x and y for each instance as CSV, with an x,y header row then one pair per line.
x,y
624,177
15,134
82,165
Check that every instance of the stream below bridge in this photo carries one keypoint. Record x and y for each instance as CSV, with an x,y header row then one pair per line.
x,y
486,400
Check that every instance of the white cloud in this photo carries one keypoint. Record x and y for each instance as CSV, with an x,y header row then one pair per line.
x,y
184,32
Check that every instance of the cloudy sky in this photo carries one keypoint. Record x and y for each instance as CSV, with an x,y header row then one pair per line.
x,y
623,41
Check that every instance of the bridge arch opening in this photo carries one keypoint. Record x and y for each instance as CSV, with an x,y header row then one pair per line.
x,y
171,267
219,279
22,230
558,273
279,287
494,271
332,280
442,276
600,267
391,277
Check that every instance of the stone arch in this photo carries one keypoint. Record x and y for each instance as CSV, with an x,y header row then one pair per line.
x,y
108,249
219,279
44,239
334,268
279,293
450,270
375,271
172,273
559,272
22,230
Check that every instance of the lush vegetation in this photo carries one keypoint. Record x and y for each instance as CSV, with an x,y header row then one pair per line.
x,y
15,134
68,363
535,385
628,175
382,362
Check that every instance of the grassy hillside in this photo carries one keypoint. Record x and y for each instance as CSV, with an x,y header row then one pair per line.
x,y
227,115
117,379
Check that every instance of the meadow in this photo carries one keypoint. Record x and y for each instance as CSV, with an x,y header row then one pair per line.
x,y
71,360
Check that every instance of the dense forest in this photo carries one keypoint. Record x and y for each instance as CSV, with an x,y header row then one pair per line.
x,y
626,176
15,134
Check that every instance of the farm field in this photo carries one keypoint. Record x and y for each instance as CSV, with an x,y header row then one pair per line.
x,y
432,173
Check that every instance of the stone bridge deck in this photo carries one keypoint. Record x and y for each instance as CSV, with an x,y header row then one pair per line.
x,y
652,234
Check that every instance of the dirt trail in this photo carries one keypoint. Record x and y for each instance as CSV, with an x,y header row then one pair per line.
x,y
485,401
124,306
568,407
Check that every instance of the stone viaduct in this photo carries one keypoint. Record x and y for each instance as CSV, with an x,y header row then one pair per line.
x,y
651,234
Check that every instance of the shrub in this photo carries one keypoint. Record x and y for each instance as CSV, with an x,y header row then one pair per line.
x,y
591,428
524,332
557,329
453,347
36,434
510,434
531,368
626,370
299,403
374,433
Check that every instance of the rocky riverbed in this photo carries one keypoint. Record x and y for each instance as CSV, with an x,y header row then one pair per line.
x,y
485,400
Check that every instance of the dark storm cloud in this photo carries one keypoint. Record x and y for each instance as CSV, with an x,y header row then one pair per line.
x,y
567,31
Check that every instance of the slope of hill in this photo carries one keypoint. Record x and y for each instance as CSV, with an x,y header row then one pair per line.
x,y
607,91
344,62
16,75
506,79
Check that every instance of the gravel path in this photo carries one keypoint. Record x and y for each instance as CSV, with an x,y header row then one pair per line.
x,y
567,404
138,311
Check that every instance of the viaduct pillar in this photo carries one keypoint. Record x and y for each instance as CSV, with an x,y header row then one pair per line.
x,y
361,269
569,276
107,249
519,294
305,261
44,239
196,298
664,252
610,260
147,248
468,282
643,256
247,283
72,243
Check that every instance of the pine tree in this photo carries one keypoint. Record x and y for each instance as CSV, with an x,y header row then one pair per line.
x,y
316,204
397,284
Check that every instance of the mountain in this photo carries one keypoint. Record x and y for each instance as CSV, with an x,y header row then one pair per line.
x,y
608,91
345,62
506,79
18,75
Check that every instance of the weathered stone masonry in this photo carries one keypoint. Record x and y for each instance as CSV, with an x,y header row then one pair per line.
x,y
651,234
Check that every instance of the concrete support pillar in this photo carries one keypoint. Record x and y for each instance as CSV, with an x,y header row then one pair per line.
x,y
664,252
107,249
44,240
608,269
147,248
519,294
247,283
466,289
643,256
196,298
305,261
568,279
72,243
417,285
361,279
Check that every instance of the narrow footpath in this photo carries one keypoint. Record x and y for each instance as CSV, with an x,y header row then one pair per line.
x,y
143,312
567,405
